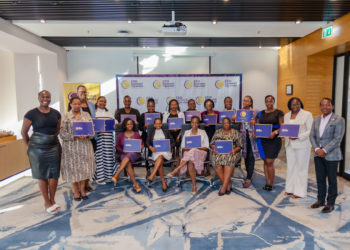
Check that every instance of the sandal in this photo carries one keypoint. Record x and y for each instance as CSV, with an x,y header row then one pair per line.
x,y
51,210
137,188
115,179
247,183
58,207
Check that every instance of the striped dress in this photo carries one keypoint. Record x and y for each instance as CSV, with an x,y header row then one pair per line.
x,y
105,151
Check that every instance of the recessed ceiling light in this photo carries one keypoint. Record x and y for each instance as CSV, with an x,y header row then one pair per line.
x,y
214,22
260,47
202,47
42,21
84,46
226,1
298,22
129,21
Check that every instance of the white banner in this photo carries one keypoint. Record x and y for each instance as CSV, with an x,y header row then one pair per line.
x,y
163,88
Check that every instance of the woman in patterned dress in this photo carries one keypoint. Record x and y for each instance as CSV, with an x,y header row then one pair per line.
x,y
224,164
78,162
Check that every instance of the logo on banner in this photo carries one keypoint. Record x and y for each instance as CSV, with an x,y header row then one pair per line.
x,y
188,84
141,101
169,99
200,100
157,84
219,84
126,84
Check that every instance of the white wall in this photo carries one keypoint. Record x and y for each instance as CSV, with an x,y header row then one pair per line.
x,y
258,66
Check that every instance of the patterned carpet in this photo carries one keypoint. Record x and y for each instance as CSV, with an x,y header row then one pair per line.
x,y
122,219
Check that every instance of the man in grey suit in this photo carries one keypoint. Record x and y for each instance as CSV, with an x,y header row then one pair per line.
x,y
326,135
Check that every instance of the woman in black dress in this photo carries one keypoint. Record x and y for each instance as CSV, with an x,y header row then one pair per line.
x,y
44,150
270,147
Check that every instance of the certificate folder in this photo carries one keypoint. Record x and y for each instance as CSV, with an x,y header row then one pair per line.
x,y
109,124
194,141
83,128
190,114
263,130
150,117
124,116
289,130
209,119
226,113
244,115
103,125
162,145
175,123
224,147
132,145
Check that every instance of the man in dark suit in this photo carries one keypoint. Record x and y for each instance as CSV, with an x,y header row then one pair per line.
x,y
326,135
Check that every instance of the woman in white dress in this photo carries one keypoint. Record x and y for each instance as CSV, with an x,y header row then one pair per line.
x,y
159,133
298,149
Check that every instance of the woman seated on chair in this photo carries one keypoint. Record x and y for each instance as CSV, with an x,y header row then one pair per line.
x,y
224,164
127,158
159,133
193,157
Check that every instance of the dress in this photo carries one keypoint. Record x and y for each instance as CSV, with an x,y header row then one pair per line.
x,y
226,159
133,156
105,151
159,135
270,148
44,149
210,130
78,162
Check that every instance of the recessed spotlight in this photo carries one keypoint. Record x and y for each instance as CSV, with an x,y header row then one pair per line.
x,y
129,21
144,47
260,47
298,22
214,22
226,1
84,46
202,47
42,21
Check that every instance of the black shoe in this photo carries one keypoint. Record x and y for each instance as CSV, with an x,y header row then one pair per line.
x,y
165,189
267,187
327,209
85,197
77,199
228,191
221,194
317,204
148,183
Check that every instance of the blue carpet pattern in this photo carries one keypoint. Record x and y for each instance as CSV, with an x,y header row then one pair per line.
x,y
120,218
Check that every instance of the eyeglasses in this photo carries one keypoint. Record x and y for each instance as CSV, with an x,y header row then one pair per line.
x,y
82,92
295,105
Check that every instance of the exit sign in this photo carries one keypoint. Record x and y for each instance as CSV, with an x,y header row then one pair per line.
x,y
326,32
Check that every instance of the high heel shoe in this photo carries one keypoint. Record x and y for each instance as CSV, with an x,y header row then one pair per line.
x,y
221,194
137,188
165,189
115,179
148,183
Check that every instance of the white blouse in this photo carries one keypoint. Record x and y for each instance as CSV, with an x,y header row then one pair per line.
x,y
179,115
101,113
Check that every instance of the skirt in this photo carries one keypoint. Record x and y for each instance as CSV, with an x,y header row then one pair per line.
x,y
44,152
197,156
105,157
269,148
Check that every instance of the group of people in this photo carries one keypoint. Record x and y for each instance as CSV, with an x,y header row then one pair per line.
x,y
82,158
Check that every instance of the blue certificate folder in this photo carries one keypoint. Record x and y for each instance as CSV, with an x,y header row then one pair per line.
x,y
194,141
175,123
132,145
150,117
83,128
189,114
224,147
162,145
289,130
227,113
103,125
209,119
244,115
263,130
124,116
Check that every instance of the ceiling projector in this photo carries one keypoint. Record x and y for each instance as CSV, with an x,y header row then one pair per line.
x,y
175,27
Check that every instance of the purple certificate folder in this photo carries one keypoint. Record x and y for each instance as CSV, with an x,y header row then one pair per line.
x,y
226,113
194,141
162,145
83,128
175,123
99,125
209,119
109,125
224,147
263,130
243,115
289,130
123,116
189,114
132,145
150,117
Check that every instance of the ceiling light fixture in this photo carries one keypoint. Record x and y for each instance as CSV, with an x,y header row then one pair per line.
x,y
298,22
214,22
84,46
42,21
202,47
129,21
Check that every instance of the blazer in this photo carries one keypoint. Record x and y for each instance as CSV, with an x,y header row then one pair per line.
x,y
331,137
304,119
92,108
151,133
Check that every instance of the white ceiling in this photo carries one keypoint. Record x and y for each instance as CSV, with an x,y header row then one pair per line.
x,y
152,29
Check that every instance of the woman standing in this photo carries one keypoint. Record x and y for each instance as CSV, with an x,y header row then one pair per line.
x,y
270,147
105,150
78,162
193,157
159,133
298,149
44,150
127,158
250,150
224,164
151,108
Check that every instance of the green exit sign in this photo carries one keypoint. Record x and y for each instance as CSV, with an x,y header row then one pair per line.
x,y
326,32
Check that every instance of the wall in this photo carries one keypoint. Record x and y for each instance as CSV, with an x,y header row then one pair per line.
x,y
258,66
308,64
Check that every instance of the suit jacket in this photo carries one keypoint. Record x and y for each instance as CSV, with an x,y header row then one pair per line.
x,y
304,119
331,137
167,135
